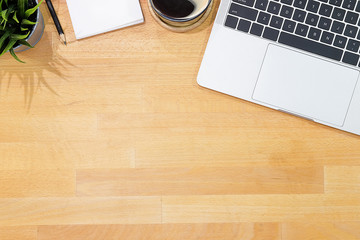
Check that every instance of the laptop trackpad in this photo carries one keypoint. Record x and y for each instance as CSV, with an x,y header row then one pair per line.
x,y
305,85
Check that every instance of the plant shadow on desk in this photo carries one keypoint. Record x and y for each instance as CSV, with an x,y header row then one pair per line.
x,y
40,61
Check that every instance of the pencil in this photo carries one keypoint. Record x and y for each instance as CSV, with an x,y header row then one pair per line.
x,y
56,21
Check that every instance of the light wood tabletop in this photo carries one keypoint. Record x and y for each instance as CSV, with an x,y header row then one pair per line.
x,y
110,137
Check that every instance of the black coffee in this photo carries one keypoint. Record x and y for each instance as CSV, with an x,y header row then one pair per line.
x,y
174,8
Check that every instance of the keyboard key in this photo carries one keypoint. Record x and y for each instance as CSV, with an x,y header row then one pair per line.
x,y
256,29
271,34
358,7
261,4
350,58
313,6
310,46
337,27
312,19
340,41
349,4
350,31
301,30
299,15
243,12
286,11
351,17
324,23
314,33
249,3
263,18
244,25
300,3
325,10
335,2
327,37
338,14
231,21
353,45
276,22
289,26
288,2
274,8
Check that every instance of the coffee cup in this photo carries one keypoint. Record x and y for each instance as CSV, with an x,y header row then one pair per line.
x,y
180,13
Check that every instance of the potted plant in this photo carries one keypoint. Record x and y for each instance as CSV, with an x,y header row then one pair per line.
x,y
21,25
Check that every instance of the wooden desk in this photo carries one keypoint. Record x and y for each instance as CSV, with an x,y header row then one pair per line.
x,y
111,138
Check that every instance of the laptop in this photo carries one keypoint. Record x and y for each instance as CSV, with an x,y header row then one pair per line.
x,y
296,56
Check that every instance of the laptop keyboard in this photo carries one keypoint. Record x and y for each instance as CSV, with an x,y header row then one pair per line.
x,y
329,28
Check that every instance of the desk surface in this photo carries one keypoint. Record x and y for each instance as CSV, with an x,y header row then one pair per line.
x,y
111,138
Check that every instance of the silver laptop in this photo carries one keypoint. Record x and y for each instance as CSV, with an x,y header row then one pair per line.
x,y
295,56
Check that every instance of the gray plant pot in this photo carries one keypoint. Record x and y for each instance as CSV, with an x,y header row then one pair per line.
x,y
36,34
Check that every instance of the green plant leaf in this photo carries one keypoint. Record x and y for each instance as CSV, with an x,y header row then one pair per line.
x,y
4,14
4,37
9,46
19,36
15,18
3,25
27,22
21,7
30,11
15,24
14,55
24,42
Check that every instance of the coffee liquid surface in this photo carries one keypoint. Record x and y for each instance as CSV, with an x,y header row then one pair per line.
x,y
175,8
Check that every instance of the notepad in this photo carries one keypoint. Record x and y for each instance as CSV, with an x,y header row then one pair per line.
x,y
92,17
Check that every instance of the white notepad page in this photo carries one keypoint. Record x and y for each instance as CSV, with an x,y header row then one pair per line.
x,y
92,17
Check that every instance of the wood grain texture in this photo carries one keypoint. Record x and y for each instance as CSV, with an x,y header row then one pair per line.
x,y
342,179
23,233
110,137
321,231
272,208
52,211
40,183
225,231
199,181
